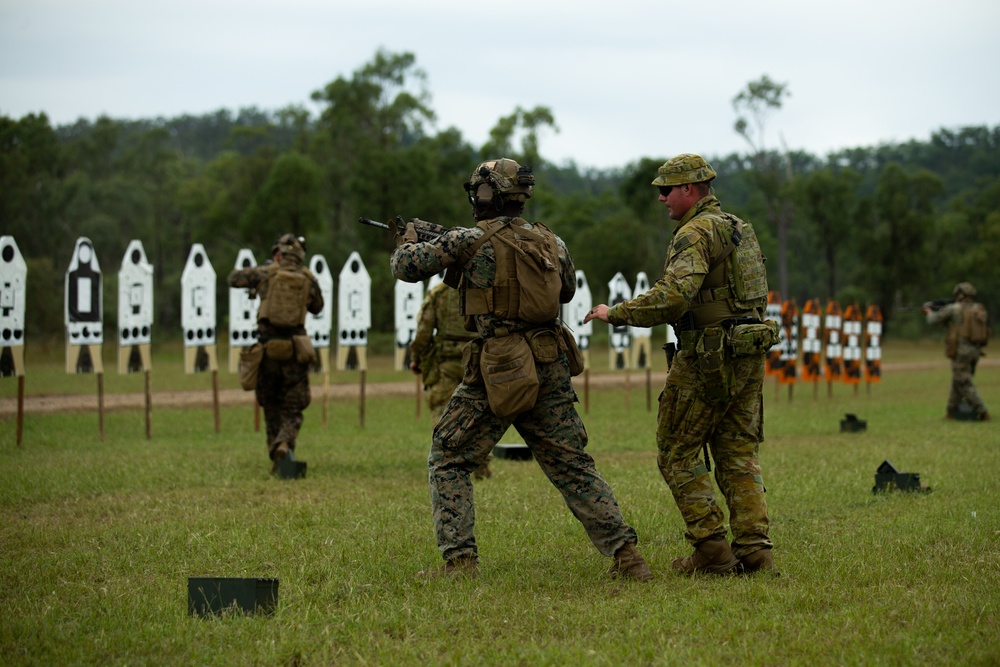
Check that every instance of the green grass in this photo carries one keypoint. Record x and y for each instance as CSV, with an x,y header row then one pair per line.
x,y
98,540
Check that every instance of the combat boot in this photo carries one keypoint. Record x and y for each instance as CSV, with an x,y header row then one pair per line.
x,y
281,452
464,566
483,472
629,564
759,561
713,556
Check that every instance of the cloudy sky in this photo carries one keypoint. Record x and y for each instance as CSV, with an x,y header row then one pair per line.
x,y
625,79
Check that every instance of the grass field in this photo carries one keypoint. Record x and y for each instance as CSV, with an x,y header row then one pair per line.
x,y
98,540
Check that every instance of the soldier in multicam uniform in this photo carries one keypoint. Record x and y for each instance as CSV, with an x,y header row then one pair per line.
x,y
436,352
963,347
469,428
283,381
714,291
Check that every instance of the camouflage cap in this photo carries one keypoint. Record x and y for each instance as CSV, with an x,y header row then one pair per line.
x,y
964,288
684,168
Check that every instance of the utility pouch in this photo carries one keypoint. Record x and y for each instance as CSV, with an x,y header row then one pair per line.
x,y
305,353
471,353
747,340
430,366
688,342
543,344
508,368
714,372
250,358
567,344
279,349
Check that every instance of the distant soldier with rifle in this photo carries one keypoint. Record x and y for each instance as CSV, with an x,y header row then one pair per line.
x,y
968,333
714,293
511,275
436,352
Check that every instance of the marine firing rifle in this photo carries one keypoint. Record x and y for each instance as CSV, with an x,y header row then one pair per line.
x,y
938,304
426,231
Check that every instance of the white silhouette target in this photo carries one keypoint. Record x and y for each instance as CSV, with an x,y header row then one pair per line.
x,y
242,307
354,313
84,296
641,287
408,298
13,281
618,291
135,297
319,325
576,310
198,299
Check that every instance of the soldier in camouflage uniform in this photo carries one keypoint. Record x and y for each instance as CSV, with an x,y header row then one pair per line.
x,y
436,352
469,428
964,353
282,383
714,292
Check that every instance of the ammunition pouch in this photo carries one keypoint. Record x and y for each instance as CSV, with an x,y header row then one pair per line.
x,y
250,358
508,370
544,345
714,372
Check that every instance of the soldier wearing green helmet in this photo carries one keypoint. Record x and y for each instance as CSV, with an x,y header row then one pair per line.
x,y
968,333
713,292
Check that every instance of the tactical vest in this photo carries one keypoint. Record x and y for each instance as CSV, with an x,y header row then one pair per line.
x,y
738,276
285,298
527,282
974,326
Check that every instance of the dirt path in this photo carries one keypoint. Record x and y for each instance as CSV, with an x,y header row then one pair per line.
x,y
338,392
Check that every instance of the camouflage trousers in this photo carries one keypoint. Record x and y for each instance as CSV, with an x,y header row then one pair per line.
x,y
733,432
438,396
963,367
553,431
283,393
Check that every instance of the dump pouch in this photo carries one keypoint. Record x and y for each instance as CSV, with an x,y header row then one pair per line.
x,y
279,349
714,372
250,358
508,368
305,353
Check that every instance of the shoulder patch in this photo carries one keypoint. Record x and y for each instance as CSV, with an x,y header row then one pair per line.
x,y
684,240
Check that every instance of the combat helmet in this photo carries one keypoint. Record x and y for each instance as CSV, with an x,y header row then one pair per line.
x,y
290,244
684,168
503,178
964,288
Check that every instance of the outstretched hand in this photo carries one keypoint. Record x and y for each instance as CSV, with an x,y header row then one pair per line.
x,y
598,312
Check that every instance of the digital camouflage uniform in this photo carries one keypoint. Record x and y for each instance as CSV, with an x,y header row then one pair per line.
x,y
963,364
687,418
282,386
468,429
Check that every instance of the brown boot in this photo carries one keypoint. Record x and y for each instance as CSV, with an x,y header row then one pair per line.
x,y
483,472
759,561
713,556
465,566
280,454
629,564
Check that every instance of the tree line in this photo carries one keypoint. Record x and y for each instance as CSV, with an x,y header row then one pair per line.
x,y
893,225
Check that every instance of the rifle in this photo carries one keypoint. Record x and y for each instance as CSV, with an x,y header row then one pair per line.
x,y
426,231
938,304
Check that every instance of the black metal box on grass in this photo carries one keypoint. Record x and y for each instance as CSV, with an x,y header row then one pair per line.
x,y
215,595
887,478
512,452
851,424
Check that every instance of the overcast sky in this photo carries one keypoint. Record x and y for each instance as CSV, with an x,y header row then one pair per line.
x,y
624,79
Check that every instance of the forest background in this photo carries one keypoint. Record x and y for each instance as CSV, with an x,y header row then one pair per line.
x,y
893,225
